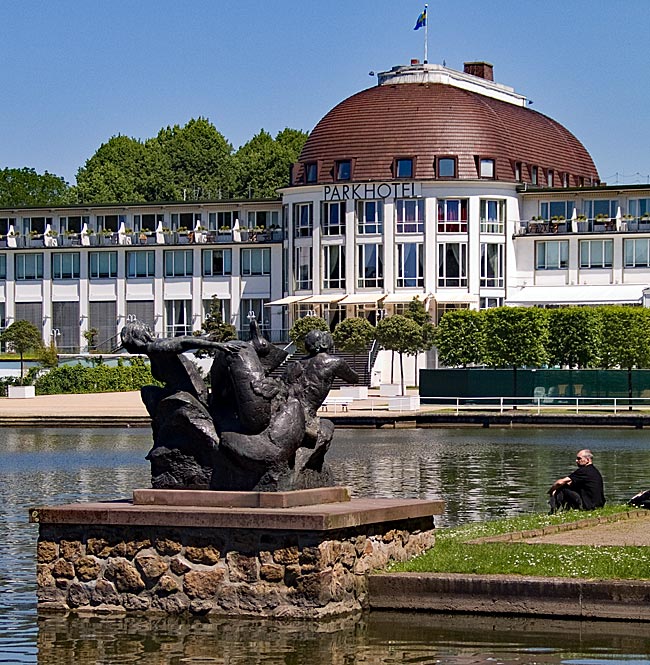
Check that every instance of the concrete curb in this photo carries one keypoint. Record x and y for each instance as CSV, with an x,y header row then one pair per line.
x,y
511,595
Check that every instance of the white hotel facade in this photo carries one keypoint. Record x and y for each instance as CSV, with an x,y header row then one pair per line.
x,y
434,183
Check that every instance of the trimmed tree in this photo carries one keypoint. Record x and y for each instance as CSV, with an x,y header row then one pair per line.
x,y
574,337
416,311
625,339
515,337
215,328
353,336
400,334
460,338
304,325
23,336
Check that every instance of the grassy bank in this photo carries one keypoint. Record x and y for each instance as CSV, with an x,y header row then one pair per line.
x,y
454,554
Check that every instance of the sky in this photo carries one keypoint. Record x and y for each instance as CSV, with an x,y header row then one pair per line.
x,y
73,74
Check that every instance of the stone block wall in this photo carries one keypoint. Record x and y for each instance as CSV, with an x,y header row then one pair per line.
x,y
117,569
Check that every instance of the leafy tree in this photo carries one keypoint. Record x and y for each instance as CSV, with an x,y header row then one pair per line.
x,y
48,356
215,328
625,339
304,325
574,337
401,334
416,311
515,337
353,335
23,336
460,338
25,187
263,164
90,336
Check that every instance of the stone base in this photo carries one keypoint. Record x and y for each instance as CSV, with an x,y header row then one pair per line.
x,y
300,562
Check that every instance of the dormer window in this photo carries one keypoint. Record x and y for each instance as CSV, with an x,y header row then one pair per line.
x,y
486,167
549,178
344,169
518,172
564,177
404,167
311,172
446,167
534,177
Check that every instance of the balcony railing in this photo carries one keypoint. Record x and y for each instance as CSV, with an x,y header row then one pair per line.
x,y
596,225
115,238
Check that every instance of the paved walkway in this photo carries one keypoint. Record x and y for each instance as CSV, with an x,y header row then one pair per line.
x,y
81,406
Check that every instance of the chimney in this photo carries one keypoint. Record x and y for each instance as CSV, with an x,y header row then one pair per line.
x,y
483,70
415,61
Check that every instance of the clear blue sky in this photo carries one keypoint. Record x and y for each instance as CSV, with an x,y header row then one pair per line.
x,y
75,73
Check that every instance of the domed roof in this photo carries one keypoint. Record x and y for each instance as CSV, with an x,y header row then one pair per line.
x,y
429,120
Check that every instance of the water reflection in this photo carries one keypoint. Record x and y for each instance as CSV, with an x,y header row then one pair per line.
x,y
481,474
377,638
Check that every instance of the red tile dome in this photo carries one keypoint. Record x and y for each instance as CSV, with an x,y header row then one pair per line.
x,y
429,120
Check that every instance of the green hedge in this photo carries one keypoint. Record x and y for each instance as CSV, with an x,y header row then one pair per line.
x,y
99,379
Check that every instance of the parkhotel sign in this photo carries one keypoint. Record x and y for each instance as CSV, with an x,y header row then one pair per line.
x,y
376,190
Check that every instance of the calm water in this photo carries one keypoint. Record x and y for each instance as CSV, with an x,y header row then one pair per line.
x,y
481,474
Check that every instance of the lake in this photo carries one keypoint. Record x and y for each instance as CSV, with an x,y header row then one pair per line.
x,y
480,473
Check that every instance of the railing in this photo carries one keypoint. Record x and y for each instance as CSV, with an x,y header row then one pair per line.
x,y
596,225
539,404
137,239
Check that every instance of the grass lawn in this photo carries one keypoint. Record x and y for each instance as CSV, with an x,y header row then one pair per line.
x,y
453,554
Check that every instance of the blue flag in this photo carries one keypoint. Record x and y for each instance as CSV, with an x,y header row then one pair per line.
x,y
422,20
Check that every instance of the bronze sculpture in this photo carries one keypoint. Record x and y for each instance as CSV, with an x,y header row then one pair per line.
x,y
253,431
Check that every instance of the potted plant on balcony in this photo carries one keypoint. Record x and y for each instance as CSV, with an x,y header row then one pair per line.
x,y
224,234
601,221
105,236
644,221
581,221
35,239
557,223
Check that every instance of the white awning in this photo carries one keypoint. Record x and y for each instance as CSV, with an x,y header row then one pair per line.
x,y
394,298
576,295
361,299
450,296
324,298
288,300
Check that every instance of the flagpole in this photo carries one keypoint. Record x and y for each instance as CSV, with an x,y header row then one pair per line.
x,y
426,34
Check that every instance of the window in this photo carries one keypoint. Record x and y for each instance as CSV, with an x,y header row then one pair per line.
x,y
110,222
256,261
333,267
65,319
486,168
452,264
550,177
224,309
258,307
217,262
371,266
492,264
311,172
452,215
29,266
487,303
552,255
446,167
534,177
221,220
344,169
142,310
141,264
410,215
178,317
5,223
596,253
302,268
404,167
185,220
370,217
333,220
65,265
493,215
637,253
518,172
148,222
102,265
179,263
564,179
34,225
3,266
30,311
601,209
303,220
410,265
550,209
73,224
262,219
639,207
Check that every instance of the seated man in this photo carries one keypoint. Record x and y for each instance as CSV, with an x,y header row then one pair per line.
x,y
582,489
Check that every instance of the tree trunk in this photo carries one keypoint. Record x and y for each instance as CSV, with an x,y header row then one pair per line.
x,y
22,368
392,365
401,372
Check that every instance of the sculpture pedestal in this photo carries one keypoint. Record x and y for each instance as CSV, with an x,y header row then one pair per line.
x,y
159,554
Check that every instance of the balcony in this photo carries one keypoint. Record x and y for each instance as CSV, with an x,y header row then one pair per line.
x,y
52,239
558,226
